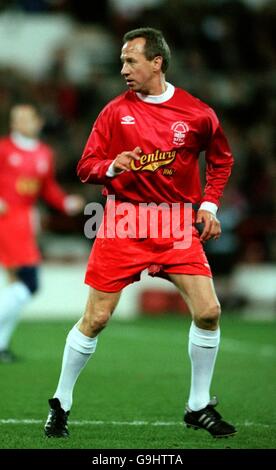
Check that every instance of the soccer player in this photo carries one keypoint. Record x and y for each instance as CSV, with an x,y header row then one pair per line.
x,y
144,148
26,173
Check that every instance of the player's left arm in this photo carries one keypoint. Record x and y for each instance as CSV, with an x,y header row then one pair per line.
x,y
211,224
219,161
55,196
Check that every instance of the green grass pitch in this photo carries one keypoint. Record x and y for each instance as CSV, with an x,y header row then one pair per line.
x,y
133,391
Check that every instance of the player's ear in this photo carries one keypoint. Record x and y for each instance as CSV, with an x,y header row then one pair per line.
x,y
157,62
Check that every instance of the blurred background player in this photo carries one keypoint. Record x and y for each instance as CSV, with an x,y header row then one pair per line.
x,y
26,174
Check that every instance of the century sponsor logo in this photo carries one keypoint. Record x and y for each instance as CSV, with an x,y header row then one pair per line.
x,y
153,161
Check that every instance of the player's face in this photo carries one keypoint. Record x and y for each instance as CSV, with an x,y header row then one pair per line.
x,y
26,121
138,71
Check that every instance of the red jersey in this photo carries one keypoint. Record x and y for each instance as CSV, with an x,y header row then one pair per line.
x,y
26,175
171,133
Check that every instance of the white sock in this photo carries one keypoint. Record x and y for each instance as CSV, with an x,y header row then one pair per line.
x,y
12,300
77,351
203,348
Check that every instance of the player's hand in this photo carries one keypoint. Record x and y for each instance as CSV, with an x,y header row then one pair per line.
x,y
212,228
123,160
74,204
3,207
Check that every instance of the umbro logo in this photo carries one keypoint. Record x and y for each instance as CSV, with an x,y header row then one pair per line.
x,y
128,120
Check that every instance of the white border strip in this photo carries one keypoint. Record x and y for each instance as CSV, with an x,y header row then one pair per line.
x,y
124,423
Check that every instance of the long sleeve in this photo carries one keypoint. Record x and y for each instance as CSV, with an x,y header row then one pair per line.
x,y
51,191
219,161
95,159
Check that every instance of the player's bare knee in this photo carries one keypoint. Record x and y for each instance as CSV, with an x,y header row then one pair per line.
x,y
209,318
99,322
96,321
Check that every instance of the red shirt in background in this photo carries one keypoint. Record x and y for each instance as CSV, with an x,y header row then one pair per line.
x,y
25,176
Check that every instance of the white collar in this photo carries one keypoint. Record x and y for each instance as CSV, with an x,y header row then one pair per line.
x,y
167,95
23,142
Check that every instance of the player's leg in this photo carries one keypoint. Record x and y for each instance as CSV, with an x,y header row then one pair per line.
x,y
23,283
204,338
80,344
81,341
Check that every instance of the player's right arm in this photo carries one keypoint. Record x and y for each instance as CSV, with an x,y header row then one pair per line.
x,y
98,163
95,160
123,162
